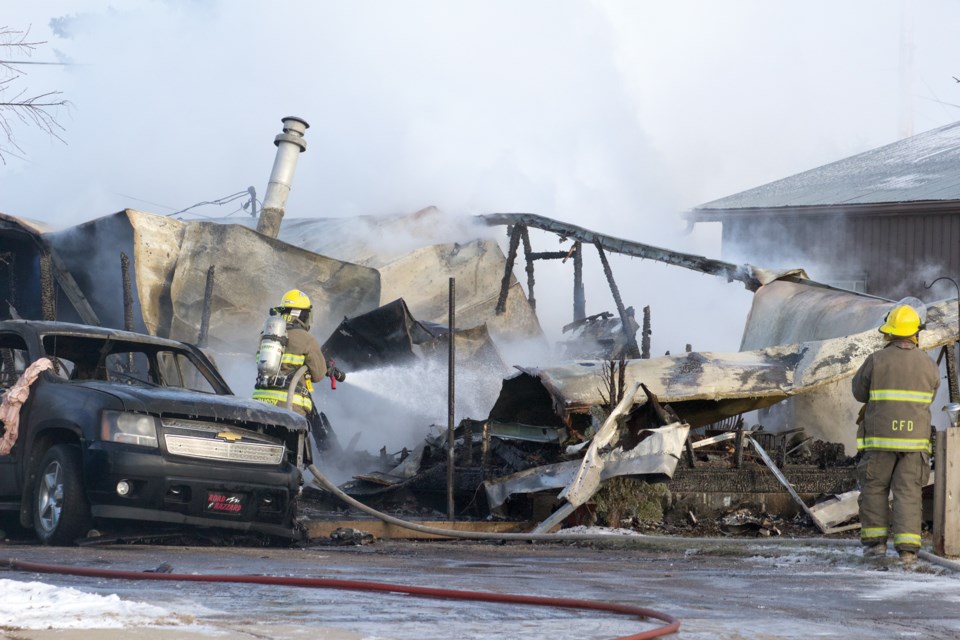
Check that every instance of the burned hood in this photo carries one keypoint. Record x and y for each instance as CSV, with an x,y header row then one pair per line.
x,y
184,403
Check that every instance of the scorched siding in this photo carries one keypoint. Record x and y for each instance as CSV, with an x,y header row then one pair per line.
x,y
895,253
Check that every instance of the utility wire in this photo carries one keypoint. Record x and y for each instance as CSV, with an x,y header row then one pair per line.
x,y
155,204
949,104
219,201
19,62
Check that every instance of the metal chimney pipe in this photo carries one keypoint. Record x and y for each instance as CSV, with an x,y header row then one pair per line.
x,y
290,144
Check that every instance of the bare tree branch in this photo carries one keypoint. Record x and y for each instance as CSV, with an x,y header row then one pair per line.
x,y
30,110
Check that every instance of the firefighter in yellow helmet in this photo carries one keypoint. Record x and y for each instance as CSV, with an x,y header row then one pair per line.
x,y
301,349
897,383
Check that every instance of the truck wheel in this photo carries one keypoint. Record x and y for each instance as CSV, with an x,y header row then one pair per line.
x,y
60,510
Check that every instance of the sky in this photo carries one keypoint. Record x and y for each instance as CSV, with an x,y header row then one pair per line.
x,y
614,115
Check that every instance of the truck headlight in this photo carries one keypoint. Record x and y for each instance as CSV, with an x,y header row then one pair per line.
x,y
129,428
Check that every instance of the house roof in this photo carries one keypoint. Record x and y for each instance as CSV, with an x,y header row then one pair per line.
x,y
922,168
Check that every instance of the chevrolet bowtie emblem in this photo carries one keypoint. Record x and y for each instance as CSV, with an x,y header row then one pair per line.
x,y
229,436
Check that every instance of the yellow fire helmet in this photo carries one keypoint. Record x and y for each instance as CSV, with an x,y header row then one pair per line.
x,y
295,299
902,321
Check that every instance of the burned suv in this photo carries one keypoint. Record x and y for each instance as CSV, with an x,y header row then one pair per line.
x,y
128,427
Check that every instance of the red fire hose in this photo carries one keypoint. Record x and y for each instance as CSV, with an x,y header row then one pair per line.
x,y
358,585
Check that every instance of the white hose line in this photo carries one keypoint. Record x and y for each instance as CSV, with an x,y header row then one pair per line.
x,y
326,484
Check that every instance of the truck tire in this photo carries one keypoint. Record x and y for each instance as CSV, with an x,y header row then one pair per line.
x,y
61,513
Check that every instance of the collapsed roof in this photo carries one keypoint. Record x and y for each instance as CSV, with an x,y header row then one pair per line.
x,y
193,281
707,387
179,279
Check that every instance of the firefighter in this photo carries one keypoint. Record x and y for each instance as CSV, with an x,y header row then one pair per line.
x,y
897,383
300,349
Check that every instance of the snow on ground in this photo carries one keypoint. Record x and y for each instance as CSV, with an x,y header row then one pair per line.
x,y
35,605
600,531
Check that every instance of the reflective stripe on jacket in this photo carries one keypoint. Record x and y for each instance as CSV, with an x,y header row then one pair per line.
x,y
279,397
901,395
898,384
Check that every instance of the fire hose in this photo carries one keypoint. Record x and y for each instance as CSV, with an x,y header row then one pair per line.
x,y
325,483
671,626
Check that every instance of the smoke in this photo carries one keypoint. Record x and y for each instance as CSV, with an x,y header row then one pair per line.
x,y
398,406
612,115
377,240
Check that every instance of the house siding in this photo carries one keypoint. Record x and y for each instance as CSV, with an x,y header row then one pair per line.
x,y
893,253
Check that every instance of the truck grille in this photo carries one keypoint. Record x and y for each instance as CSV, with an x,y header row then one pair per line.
x,y
195,439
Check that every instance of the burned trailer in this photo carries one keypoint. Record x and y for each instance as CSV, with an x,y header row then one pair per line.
x,y
698,388
638,441
703,388
162,287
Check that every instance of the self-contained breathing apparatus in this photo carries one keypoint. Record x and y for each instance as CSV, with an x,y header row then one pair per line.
x,y
273,342
273,345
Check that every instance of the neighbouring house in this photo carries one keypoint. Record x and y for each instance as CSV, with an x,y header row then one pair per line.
x,y
883,222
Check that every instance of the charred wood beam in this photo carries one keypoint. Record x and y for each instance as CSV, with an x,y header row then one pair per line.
x,y
70,287
9,260
451,392
127,292
527,252
579,298
485,450
466,456
645,338
207,301
515,233
741,273
9,375
48,299
738,450
549,255
691,459
626,325
952,372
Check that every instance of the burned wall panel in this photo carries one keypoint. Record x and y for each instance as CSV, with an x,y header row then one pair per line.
x,y
19,274
785,313
421,278
157,241
91,253
252,273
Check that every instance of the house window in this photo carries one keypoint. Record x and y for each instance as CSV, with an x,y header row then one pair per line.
x,y
850,282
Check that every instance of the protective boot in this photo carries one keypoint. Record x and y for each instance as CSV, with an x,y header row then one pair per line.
x,y
907,558
876,550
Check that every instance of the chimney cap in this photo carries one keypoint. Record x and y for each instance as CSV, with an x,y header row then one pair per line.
x,y
294,129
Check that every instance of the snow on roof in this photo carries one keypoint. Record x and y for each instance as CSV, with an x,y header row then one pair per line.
x,y
922,168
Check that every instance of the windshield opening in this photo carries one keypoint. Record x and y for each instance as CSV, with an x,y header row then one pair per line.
x,y
78,358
